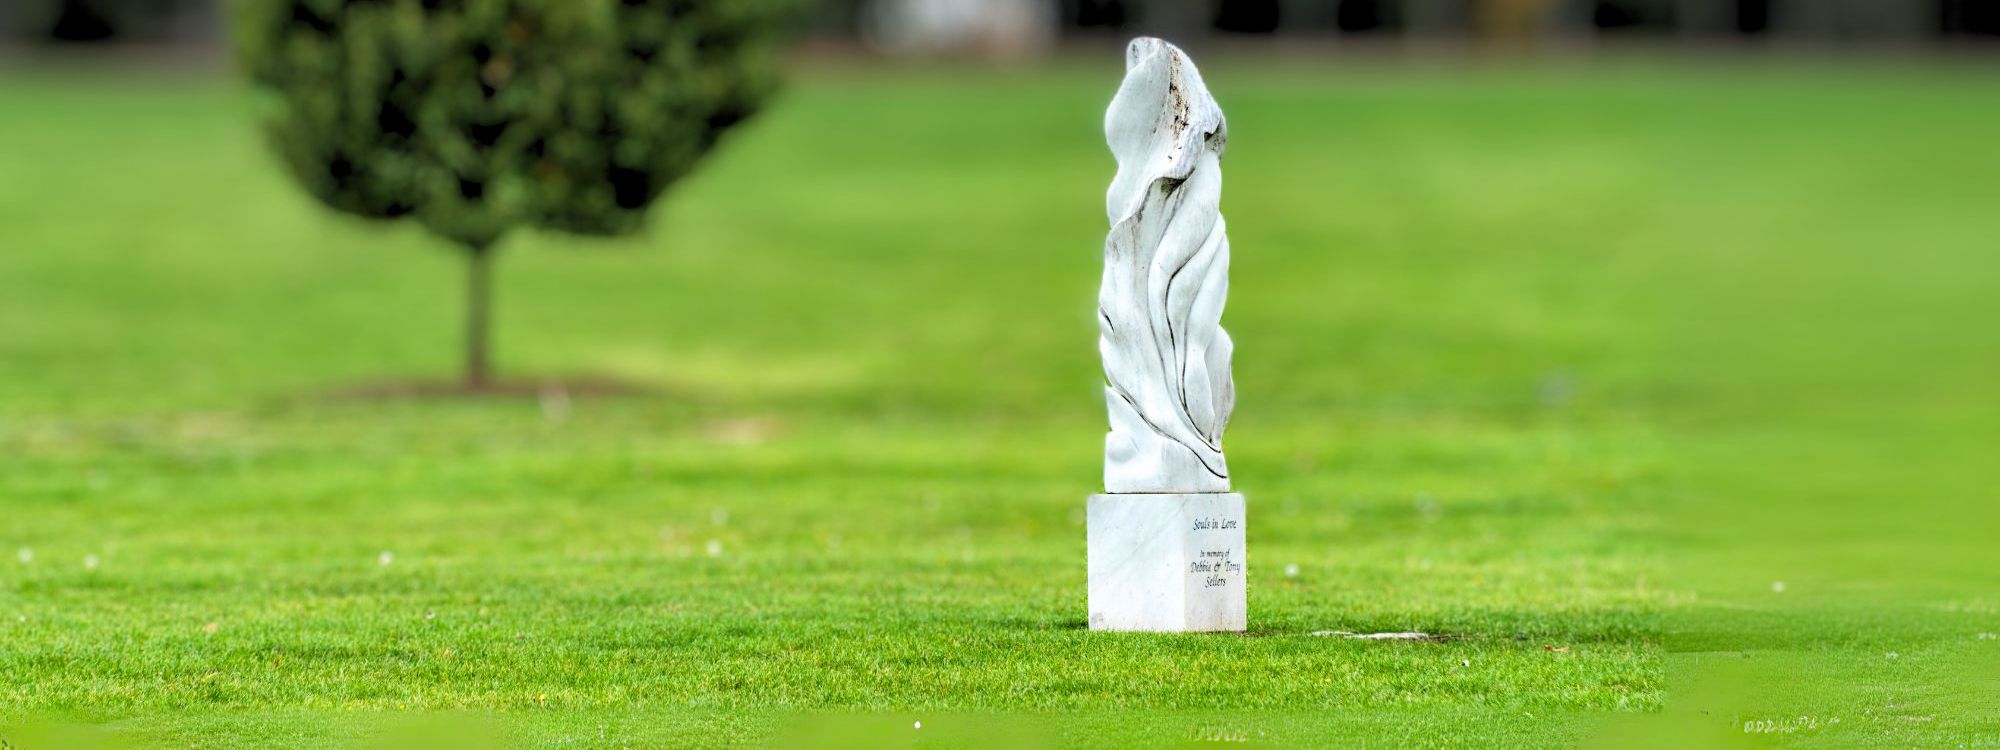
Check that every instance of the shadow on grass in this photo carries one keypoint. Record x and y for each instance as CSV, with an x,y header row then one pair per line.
x,y
542,389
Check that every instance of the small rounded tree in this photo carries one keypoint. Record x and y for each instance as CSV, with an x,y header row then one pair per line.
x,y
476,117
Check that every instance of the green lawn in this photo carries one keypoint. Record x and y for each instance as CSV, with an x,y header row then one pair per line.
x,y
1570,364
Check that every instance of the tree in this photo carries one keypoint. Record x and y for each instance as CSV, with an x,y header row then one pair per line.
x,y
477,117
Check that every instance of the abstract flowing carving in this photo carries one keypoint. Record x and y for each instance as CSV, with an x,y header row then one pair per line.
x,y
1166,274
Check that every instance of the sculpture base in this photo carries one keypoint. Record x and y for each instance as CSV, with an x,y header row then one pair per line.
x,y
1167,563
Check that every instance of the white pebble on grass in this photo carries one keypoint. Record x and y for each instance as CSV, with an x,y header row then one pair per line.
x,y
385,558
714,548
1292,570
555,404
1777,587
90,562
1427,506
26,555
919,725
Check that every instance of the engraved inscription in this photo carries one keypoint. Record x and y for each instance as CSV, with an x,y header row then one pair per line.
x,y
1215,567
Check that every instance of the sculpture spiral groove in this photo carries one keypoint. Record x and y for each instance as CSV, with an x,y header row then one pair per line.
x,y
1166,275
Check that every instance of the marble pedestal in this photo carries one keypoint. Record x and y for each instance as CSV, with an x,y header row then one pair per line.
x,y
1166,563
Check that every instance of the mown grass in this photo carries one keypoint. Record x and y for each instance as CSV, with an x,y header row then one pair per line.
x,y
1498,331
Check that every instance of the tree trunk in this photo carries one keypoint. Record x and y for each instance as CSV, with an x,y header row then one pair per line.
x,y
478,302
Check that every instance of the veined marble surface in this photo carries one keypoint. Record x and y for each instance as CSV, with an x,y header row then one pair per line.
x,y
1166,275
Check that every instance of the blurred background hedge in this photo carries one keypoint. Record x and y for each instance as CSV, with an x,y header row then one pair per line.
x,y
1024,25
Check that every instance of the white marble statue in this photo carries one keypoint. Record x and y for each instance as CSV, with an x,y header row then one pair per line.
x,y
1166,273
1166,540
